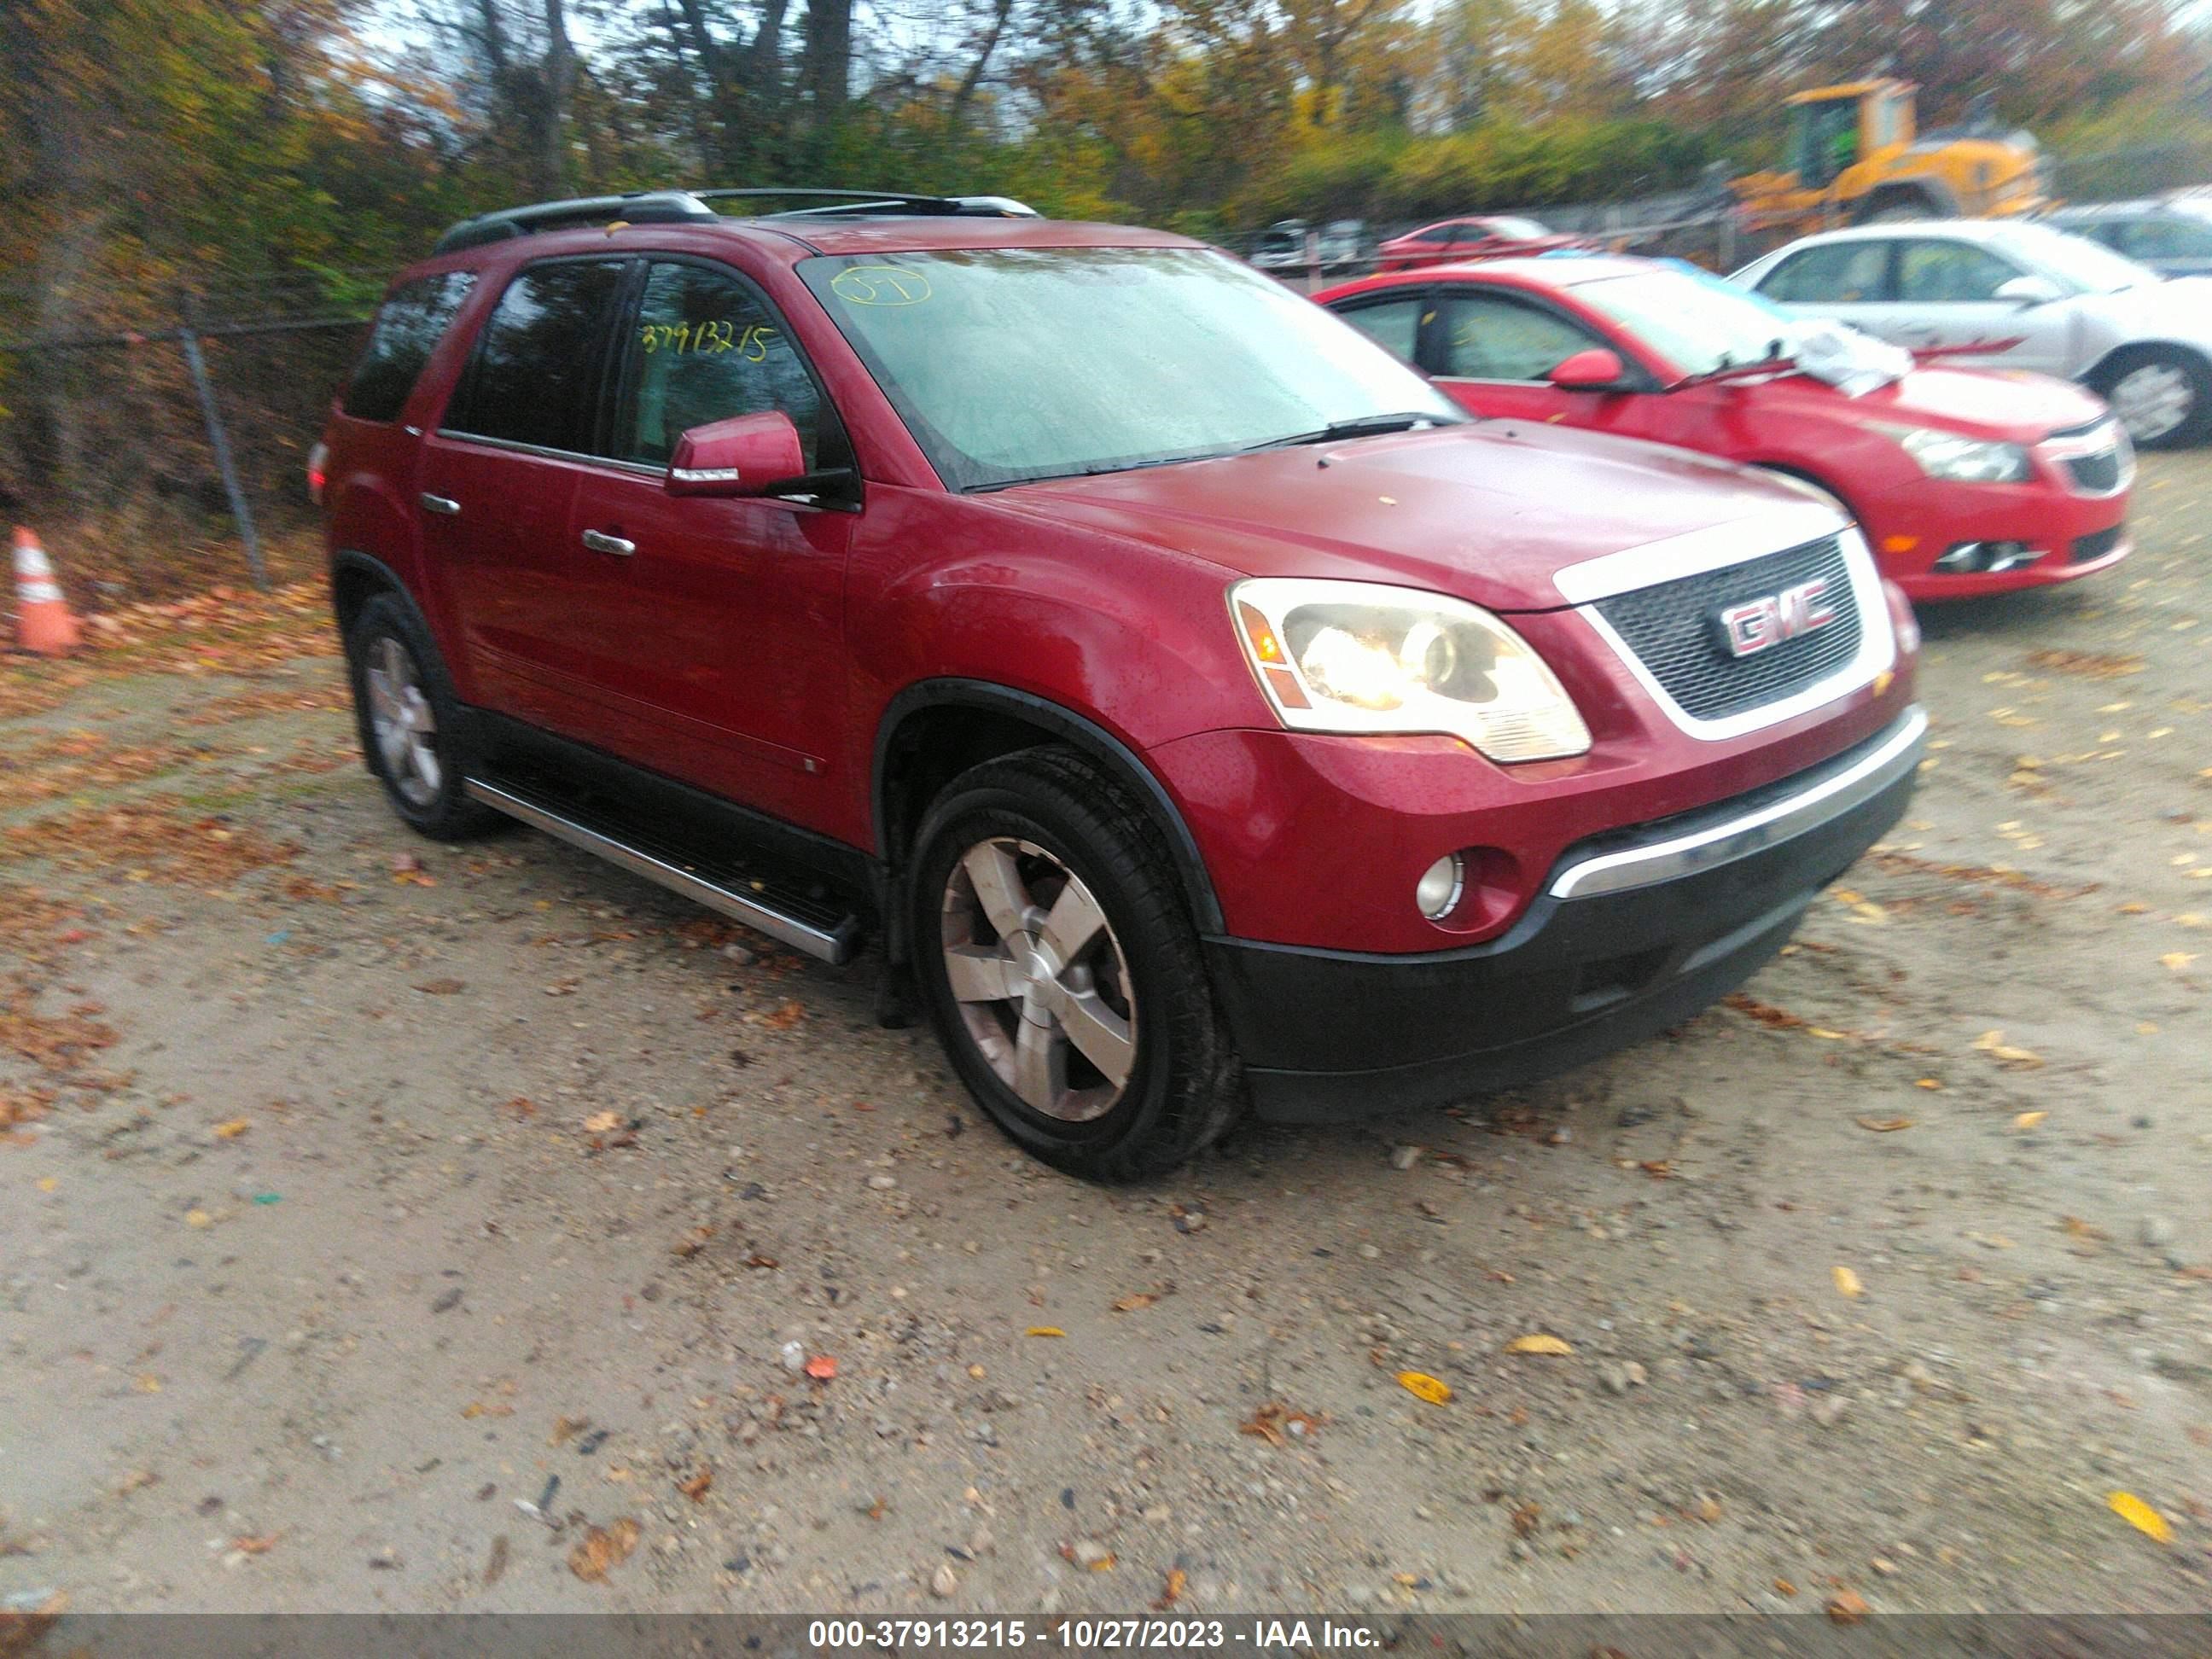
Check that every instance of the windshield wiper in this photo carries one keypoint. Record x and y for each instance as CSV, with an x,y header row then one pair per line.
x,y
1777,360
1359,426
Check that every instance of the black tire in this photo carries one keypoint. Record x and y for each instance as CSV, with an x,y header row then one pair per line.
x,y
440,811
2196,424
1184,1087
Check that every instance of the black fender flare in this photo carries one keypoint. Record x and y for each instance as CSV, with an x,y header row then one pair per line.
x,y
1078,733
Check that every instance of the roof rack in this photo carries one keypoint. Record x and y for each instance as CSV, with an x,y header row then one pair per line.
x,y
663,207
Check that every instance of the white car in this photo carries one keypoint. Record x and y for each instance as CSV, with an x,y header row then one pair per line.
x,y
2072,308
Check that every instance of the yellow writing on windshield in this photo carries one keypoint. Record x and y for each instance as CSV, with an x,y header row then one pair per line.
x,y
880,285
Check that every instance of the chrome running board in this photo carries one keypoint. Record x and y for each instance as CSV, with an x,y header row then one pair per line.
x,y
831,941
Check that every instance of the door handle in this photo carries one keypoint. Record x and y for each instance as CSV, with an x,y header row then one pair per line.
x,y
444,504
599,542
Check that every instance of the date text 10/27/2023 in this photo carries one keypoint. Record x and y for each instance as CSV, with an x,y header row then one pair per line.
x,y
1092,1634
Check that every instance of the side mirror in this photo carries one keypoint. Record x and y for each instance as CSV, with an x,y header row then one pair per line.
x,y
2028,291
744,455
1595,370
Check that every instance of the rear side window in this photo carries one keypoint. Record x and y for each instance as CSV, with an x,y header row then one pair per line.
x,y
1835,273
536,377
413,319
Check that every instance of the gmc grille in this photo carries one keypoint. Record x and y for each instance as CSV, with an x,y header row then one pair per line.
x,y
1672,629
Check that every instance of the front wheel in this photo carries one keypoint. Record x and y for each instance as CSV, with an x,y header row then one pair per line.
x,y
1061,973
2162,397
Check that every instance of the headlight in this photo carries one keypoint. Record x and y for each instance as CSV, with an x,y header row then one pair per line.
x,y
1963,460
1337,656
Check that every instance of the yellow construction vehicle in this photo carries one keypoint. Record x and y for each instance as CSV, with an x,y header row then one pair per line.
x,y
1856,160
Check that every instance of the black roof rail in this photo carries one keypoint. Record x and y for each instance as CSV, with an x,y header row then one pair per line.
x,y
666,207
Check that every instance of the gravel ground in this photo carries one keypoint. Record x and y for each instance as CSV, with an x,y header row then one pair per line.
x,y
388,1226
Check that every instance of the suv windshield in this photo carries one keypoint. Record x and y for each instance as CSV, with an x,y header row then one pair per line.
x,y
1015,364
1697,324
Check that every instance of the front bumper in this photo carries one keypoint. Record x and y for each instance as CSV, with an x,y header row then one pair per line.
x,y
1633,932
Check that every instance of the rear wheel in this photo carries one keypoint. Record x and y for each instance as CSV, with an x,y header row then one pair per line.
x,y
2163,397
1061,972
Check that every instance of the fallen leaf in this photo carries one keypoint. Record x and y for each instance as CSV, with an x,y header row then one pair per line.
x,y
1927,1082
232,1130
2177,960
1278,1424
1103,1564
1883,1125
48,1183
441,988
784,1017
1044,1330
2140,1516
822,1367
1847,1282
696,1487
1538,1344
1993,1044
1422,1386
256,1546
1847,1607
1130,1304
2077,1228
1173,1592
199,1218
1783,1587
684,1248
477,1408
602,1548
1526,1518
2029,1120
600,1123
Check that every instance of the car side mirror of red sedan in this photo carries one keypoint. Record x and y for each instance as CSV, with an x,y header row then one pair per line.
x,y
1595,370
744,455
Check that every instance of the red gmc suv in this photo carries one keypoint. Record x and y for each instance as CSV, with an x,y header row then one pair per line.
x,y
1201,709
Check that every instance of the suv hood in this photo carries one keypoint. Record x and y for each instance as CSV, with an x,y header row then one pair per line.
x,y
1491,511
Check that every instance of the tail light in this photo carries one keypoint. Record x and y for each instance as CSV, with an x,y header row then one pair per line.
x,y
319,460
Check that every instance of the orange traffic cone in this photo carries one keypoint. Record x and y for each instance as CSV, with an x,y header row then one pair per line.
x,y
44,626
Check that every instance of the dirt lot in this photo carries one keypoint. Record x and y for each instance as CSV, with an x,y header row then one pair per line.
x,y
390,1226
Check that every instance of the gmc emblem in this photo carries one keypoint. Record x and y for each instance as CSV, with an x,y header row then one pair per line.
x,y
1750,628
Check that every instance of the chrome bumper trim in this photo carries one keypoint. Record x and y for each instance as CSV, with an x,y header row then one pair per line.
x,y
1682,855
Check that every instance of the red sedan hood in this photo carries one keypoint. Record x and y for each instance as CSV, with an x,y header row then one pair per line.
x,y
1491,511
2019,408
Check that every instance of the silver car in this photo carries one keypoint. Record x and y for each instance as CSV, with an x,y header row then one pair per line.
x,y
2066,306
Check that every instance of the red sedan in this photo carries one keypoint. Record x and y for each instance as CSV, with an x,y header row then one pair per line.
x,y
1491,237
1967,482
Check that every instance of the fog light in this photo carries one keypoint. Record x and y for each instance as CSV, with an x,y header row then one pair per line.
x,y
1987,557
1439,888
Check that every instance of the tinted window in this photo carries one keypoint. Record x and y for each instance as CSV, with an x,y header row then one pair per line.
x,y
537,370
1490,338
1453,234
1394,325
705,349
408,328
1950,273
1835,273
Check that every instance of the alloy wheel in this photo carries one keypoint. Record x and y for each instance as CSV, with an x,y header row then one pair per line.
x,y
402,722
2152,400
1043,986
